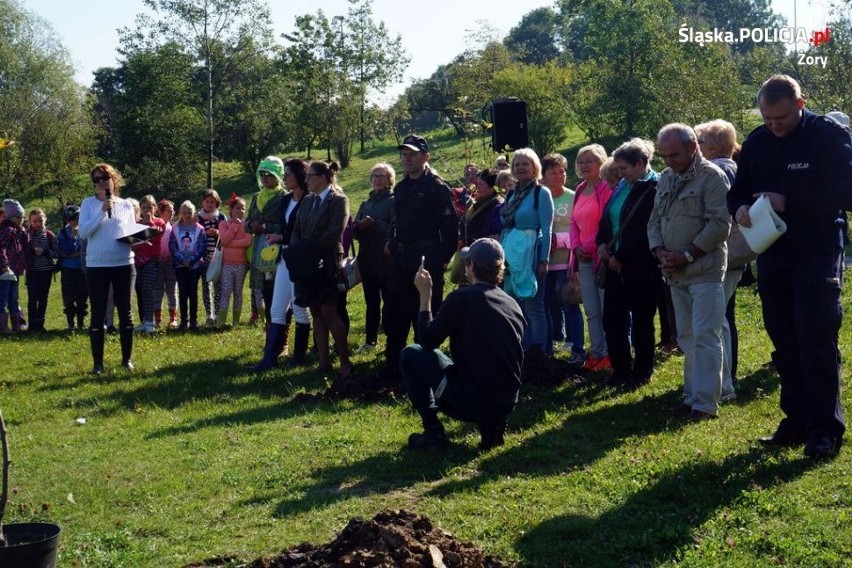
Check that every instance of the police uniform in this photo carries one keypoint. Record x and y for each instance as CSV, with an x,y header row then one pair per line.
x,y
799,275
425,226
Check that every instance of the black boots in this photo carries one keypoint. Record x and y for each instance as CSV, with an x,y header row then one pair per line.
x,y
300,345
125,335
96,339
276,338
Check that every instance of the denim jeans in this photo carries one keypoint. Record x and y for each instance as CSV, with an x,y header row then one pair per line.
x,y
562,318
9,296
536,317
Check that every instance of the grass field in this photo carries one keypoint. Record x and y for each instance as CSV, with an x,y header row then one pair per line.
x,y
190,457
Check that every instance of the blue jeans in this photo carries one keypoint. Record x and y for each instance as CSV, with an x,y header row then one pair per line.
x,y
562,317
536,317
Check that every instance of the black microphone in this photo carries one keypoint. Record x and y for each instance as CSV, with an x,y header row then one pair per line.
x,y
108,195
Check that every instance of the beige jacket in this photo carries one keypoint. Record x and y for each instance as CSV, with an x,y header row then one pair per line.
x,y
691,208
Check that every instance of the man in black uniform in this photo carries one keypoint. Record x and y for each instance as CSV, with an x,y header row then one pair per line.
x,y
803,163
480,382
425,229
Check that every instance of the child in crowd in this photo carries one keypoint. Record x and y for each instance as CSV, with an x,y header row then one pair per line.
x,y
41,252
209,217
235,241
166,281
187,244
14,241
75,296
147,260
505,182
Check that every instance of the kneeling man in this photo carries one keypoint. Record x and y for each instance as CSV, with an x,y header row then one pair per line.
x,y
480,381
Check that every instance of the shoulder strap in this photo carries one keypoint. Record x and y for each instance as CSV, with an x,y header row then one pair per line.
x,y
536,191
627,218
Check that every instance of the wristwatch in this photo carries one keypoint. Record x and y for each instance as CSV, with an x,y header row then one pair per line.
x,y
689,257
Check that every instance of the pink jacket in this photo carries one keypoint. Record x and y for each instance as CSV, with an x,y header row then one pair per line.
x,y
584,229
235,241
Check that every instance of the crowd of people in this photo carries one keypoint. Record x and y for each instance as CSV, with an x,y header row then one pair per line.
x,y
631,244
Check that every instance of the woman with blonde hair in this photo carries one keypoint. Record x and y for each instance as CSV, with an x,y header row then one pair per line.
x,y
109,262
527,218
374,218
592,195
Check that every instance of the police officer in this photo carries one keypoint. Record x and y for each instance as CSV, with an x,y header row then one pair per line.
x,y
803,163
425,232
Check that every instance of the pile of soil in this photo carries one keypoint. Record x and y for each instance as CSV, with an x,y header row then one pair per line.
x,y
391,539
364,387
543,371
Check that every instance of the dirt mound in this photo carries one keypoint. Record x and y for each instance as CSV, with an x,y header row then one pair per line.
x,y
366,387
391,539
541,370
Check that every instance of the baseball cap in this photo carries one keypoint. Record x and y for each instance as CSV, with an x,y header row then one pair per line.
x,y
416,143
483,252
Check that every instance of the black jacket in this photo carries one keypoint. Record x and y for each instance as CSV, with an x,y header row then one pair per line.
x,y
812,168
639,266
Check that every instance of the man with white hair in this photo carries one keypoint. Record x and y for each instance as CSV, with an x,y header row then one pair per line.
x,y
687,231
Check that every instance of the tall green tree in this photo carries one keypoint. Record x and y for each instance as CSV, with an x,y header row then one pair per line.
x,y
41,107
372,56
152,119
200,27
536,39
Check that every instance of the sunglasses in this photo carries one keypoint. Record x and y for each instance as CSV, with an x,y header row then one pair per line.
x,y
98,179
265,174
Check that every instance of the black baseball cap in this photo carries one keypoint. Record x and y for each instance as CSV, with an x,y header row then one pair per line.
x,y
416,143
483,252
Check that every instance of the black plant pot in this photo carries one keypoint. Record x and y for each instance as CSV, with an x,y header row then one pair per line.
x,y
30,545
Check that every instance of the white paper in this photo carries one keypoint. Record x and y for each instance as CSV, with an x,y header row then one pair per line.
x,y
766,226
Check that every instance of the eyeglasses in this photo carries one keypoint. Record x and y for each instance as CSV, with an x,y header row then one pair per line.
x,y
265,174
98,179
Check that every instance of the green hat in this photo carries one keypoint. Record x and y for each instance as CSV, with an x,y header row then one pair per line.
x,y
273,165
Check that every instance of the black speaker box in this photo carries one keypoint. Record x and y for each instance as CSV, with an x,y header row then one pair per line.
x,y
509,125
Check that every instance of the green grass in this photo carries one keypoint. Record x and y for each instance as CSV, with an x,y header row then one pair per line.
x,y
190,457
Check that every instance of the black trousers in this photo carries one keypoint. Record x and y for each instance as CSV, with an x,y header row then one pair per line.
x,y
375,292
628,313
802,314
74,293
38,290
98,281
402,303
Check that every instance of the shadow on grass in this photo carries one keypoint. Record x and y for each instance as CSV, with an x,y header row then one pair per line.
x,y
654,523
388,471
582,439
172,386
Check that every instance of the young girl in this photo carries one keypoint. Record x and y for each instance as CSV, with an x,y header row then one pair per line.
x,y
166,282
72,277
209,217
148,264
13,261
235,241
42,250
187,244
